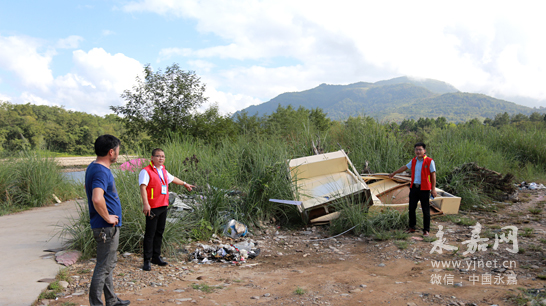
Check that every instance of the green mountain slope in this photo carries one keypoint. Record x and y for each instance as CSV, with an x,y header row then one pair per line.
x,y
394,100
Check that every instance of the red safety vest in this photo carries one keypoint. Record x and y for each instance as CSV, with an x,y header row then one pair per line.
x,y
155,198
425,173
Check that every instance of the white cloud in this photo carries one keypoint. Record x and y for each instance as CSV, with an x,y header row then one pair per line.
x,y
201,65
167,53
5,97
21,55
486,46
107,32
228,102
111,72
71,42
27,97
96,82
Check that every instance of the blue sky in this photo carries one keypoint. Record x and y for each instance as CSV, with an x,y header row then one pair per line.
x,y
83,54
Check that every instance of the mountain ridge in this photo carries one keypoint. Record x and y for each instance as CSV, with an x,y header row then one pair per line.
x,y
394,100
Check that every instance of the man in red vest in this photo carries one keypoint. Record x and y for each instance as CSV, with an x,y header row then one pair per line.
x,y
423,184
154,189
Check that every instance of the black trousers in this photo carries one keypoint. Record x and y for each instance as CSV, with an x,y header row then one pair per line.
x,y
153,237
416,195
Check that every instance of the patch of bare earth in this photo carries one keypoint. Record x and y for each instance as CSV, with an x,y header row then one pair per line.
x,y
292,269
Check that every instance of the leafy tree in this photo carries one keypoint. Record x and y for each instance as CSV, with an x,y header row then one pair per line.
x,y
518,118
536,117
211,125
161,103
319,119
501,119
28,126
249,124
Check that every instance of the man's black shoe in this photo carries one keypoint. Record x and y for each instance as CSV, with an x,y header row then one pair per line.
x,y
147,266
160,262
122,303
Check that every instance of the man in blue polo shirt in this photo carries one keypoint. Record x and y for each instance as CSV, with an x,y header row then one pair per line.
x,y
423,184
105,219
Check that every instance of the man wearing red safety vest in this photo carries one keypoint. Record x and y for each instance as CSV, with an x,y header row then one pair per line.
x,y
423,184
154,189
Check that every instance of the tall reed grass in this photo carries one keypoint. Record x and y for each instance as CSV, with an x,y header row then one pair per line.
x,y
30,180
236,177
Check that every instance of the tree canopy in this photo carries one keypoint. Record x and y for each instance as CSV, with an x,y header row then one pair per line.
x,y
161,103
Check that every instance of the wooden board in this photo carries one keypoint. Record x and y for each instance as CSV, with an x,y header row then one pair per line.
x,y
326,218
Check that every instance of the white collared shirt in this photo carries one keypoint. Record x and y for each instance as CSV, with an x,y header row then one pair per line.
x,y
144,177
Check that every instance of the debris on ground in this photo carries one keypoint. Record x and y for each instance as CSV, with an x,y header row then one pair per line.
x,y
235,229
530,186
226,253
492,183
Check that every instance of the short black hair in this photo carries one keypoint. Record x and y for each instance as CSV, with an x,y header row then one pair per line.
x,y
105,143
420,144
155,151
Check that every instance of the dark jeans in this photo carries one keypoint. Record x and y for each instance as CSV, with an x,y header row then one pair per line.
x,y
415,196
153,237
107,239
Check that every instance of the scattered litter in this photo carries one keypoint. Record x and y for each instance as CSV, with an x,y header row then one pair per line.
x,y
226,253
417,238
530,186
235,229
56,199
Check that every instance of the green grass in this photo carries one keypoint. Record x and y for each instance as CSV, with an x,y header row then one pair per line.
x,y
465,221
48,294
527,232
83,271
535,211
63,275
254,166
300,291
534,248
30,180
235,181
205,288
402,245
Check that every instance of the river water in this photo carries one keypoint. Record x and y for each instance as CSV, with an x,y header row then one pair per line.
x,y
76,176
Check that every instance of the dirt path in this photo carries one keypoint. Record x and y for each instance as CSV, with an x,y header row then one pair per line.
x,y
24,238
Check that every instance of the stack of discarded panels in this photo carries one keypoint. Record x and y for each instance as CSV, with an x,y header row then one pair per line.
x,y
323,181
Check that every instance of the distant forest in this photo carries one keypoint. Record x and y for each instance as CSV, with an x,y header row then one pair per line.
x,y
55,129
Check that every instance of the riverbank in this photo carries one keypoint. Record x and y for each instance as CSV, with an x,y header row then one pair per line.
x,y
71,164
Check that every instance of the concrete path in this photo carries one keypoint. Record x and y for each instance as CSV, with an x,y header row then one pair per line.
x,y
23,238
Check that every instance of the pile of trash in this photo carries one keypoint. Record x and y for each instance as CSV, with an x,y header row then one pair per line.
x,y
530,186
225,253
492,183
